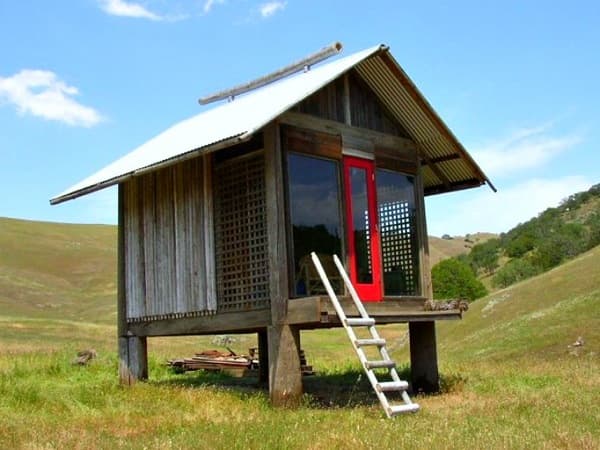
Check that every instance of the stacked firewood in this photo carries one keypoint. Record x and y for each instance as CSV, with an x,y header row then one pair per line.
x,y
214,360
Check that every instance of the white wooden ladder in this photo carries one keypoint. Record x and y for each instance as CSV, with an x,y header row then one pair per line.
x,y
380,387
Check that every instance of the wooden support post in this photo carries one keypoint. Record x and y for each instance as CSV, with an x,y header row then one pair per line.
x,y
423,357
425,284
285,378
296,336
263,357
121,282
133,354
133,359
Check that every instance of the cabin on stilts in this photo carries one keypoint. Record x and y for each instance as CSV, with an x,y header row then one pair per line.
x,y
219,213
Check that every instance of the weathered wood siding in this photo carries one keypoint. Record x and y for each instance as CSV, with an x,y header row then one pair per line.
x,y
326,103
366,111
335,101
167,252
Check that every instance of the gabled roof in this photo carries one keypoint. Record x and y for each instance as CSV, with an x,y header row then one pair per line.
x,y
448,165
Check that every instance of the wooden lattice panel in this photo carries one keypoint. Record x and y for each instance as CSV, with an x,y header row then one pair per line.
x,y
241,234
398,246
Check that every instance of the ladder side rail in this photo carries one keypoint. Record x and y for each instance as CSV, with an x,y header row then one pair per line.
x,y
359,351
338,307
390,411
361,309
393,372
328,288
339,310
363,312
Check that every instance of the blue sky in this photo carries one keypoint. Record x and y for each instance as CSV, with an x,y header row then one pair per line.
x,y
83,82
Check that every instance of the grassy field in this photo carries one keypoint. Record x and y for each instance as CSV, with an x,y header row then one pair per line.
x,y
510,379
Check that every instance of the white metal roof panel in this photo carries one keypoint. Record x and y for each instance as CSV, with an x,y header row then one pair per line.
x,y
237,119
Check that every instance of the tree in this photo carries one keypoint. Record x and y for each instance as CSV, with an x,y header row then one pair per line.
x,y
520,245
565,241
485,256
452,278
593,224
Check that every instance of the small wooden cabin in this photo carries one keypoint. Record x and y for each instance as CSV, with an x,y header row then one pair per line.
x,y
218,215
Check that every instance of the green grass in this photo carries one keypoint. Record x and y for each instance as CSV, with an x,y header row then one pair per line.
x,y
509,377
53,270
48,403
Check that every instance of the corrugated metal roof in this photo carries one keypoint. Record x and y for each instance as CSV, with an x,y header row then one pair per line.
x,y
238,120
402,98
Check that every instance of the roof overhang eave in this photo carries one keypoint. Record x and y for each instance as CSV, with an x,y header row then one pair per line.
x,y
242,137
420,99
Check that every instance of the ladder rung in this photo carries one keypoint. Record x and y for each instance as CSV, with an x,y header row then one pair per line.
x,y
360,322
363,342
392,386
399,409
381,364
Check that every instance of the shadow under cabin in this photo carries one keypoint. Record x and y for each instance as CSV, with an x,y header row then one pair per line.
x,y
219,213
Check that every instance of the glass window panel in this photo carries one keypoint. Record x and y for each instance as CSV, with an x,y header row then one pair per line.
x,y
314,199
398,232
360,225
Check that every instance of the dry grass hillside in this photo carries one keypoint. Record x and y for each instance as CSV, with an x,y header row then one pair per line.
x,y
52,270
440,248
68,271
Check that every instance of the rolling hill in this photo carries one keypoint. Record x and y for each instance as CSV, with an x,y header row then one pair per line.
x,y
68,271
52,270
510,376
536,318
443,248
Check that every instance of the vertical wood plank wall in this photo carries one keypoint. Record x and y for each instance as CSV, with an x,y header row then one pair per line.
x,y
350,100
167,259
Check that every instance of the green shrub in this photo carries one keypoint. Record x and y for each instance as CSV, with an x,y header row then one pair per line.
x,y
452,278
515,270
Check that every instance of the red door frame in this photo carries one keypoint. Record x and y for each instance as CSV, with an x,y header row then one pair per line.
x,y
366,291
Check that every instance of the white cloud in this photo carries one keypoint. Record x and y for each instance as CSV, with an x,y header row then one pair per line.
x,y
128,9
483,210
526,148
42,94
270,8
208,5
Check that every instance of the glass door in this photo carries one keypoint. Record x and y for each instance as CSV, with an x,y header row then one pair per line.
x,y
362,224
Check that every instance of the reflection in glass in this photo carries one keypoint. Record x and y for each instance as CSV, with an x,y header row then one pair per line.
x,y
360,225
314,201
398,232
